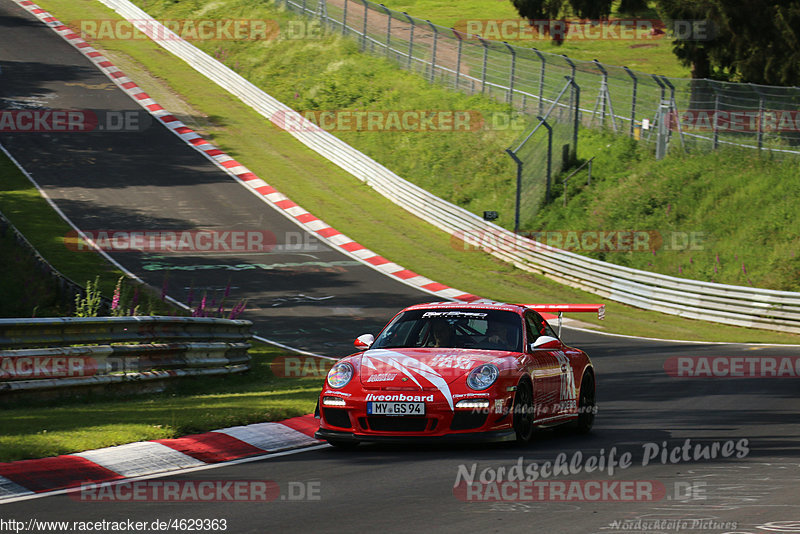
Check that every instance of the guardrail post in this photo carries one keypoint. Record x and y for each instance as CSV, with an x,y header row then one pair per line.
x,y
510,93
410,39
344,18
541,80
433,52
458,55
633,98
303,7
485,60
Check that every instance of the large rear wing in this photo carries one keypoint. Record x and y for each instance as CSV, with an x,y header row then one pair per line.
x,y
561,308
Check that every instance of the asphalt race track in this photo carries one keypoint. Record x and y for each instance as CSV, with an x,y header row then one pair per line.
x,y
152,180
301,293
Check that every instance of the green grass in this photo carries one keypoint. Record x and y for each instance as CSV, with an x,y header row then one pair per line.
x,y
282,68
653,56
37,429
739,209
21,203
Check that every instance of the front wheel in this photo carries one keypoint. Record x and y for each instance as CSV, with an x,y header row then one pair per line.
x,y
523,412
587,405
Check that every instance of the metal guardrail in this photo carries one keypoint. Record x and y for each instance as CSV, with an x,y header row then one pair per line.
x,y
735,305
79,351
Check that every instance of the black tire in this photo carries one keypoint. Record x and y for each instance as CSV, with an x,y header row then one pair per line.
x,y
344,445
587,405
523,412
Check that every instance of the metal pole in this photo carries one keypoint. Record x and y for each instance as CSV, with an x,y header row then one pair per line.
x,y
433,52
541,81
576,114
410,39
674,108
571,74
716,119
760,122
633,98
549,156
485,59
519,188
344,18
458,55
388,28
510,93
364,27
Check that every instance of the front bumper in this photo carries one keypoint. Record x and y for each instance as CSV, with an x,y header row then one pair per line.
x,y
462,437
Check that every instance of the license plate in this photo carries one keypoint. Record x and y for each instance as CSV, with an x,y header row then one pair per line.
x,y
396,408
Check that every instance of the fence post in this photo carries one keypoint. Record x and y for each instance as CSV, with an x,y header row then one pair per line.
x,y
674,107
716,119
633,98
458,55
662,138
576,115
322,12
510,93
519,188
303,7
433,52
344,18
388,28
549,156
485,59
364,27
761,110
571,75
410,39
541,80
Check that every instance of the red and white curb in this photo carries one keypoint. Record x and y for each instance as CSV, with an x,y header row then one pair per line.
x,y
279,201
29,477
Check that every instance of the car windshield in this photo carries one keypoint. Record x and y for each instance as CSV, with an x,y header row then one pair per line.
x,y
446,328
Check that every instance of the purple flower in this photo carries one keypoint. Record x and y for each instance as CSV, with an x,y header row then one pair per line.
x,y
743,269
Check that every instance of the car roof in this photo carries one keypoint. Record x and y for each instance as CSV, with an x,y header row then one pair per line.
x,y
486,305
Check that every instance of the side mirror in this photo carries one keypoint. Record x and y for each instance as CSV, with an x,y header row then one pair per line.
x,y
364,341
546,343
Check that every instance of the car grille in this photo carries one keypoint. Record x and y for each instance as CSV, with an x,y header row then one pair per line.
x,y
397,424
336,417
467,420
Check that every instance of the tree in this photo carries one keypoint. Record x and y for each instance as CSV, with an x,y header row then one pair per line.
x,y
559,9
756,41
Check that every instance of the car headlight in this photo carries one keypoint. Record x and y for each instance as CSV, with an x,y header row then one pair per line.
x,y
340,375
483,376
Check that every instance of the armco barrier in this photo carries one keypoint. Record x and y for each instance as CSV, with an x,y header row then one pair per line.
x,y
37,353
743,306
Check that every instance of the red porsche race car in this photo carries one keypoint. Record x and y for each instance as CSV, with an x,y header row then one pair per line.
x,y
448,370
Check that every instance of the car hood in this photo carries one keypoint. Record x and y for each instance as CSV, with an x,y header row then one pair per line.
x,y
421,368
